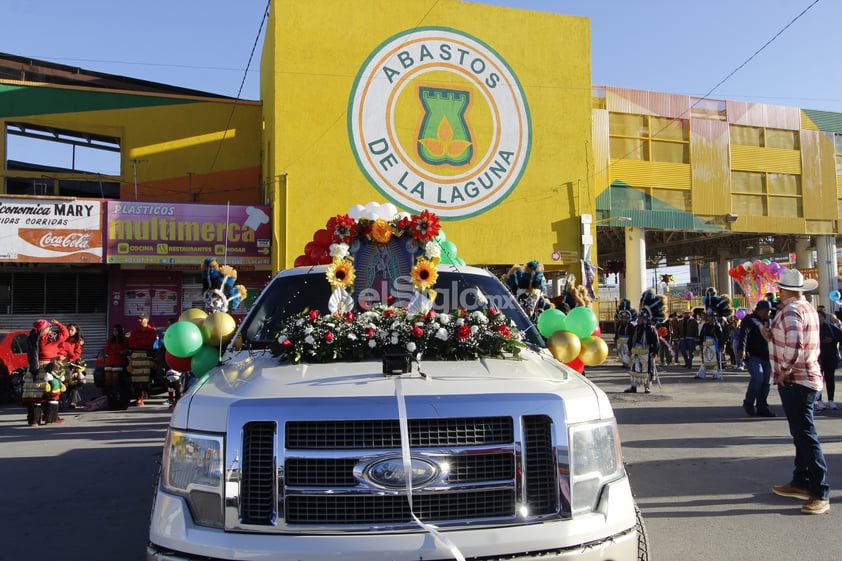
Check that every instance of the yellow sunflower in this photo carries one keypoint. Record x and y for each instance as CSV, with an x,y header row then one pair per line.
x,y
381,231
340,273
424,274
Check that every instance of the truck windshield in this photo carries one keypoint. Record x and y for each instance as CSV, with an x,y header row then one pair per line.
x,y
290,295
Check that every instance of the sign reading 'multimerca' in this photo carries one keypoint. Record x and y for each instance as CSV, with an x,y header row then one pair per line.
x,y
438,120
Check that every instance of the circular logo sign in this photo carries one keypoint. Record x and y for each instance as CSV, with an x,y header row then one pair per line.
x,y
437,120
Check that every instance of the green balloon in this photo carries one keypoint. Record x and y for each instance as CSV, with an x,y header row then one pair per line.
x,y
459,261
183,339
204,360
581,321
440,237
448,252
550,321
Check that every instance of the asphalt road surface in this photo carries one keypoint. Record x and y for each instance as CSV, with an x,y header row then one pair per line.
x,y
701,470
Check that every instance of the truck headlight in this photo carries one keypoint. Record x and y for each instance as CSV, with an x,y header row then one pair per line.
x,y
192,468
595,461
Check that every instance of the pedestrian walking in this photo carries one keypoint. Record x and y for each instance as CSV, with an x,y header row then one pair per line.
x,y
644,342
690,336
830,335
794,347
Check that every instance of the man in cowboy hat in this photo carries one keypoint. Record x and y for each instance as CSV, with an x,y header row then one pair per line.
x,y
794,354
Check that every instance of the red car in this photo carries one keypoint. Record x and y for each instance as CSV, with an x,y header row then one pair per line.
x,y
14,345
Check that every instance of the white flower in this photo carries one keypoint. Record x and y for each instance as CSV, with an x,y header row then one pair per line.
x,y
308,330
432,250
339,250
299,322
309,340
282,338
479,317
474,329
372,343
352,336
410,347
444,319
442,334
460,321
394,339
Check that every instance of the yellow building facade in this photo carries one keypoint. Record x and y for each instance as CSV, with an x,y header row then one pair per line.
x,y
478,113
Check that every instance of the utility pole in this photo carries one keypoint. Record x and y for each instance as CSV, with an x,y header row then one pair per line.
x,y
134,166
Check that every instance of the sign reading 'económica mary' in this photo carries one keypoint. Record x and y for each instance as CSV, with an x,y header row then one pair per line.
x,y
437,120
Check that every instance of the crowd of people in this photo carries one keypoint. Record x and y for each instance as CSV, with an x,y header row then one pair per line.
x,y
57,371
783,341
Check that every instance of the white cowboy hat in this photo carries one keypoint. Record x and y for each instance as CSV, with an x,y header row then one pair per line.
x,y
792,279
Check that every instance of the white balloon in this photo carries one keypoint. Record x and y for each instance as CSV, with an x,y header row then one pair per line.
x,y
402,215
373,207
368,215
388,211
355,211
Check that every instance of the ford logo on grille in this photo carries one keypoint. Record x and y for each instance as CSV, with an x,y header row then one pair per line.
x,y
389,472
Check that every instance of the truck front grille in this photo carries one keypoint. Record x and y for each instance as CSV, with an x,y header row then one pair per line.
x,y
499,468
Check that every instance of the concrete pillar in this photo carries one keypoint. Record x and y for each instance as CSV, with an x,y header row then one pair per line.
x,y
803,255
635,264
827,265
723,280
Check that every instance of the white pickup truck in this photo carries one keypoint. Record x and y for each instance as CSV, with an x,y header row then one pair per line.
x,y
273,456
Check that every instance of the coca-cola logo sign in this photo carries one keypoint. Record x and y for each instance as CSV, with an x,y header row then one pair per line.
x,y
65,241
75,240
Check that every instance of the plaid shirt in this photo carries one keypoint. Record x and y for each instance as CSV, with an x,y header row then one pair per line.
x,y
794,348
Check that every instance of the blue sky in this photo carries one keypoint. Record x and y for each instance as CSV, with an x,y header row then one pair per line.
x,y
662,45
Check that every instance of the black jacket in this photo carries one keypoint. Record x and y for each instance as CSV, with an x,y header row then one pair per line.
x,y
751,337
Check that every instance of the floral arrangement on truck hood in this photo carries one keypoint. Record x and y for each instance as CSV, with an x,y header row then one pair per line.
x,y
416,328
462,335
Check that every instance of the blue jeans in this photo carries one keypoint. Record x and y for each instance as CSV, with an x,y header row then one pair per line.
x,y
758,385
810,467
688,351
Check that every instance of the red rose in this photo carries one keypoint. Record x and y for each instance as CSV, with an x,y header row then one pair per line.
x,y
314,315
369,333
329,337
349,317
417,332
503,330
387,313
464,331
287,343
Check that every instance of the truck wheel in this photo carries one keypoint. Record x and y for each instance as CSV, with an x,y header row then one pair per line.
x,y
642,535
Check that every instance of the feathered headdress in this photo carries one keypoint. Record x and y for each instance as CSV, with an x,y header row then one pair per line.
x,y
716,304
526,277
652,306
220,289
625,311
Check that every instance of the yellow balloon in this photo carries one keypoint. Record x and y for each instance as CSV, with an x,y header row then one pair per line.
x,y
594,351
218,328
194,315
564,345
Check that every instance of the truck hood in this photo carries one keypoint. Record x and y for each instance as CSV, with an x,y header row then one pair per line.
x,y
247,380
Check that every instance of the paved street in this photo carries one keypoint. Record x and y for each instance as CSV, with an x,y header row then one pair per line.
x,y
701,471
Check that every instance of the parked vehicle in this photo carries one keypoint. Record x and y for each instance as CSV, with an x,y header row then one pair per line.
x,y
304,447
14,345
